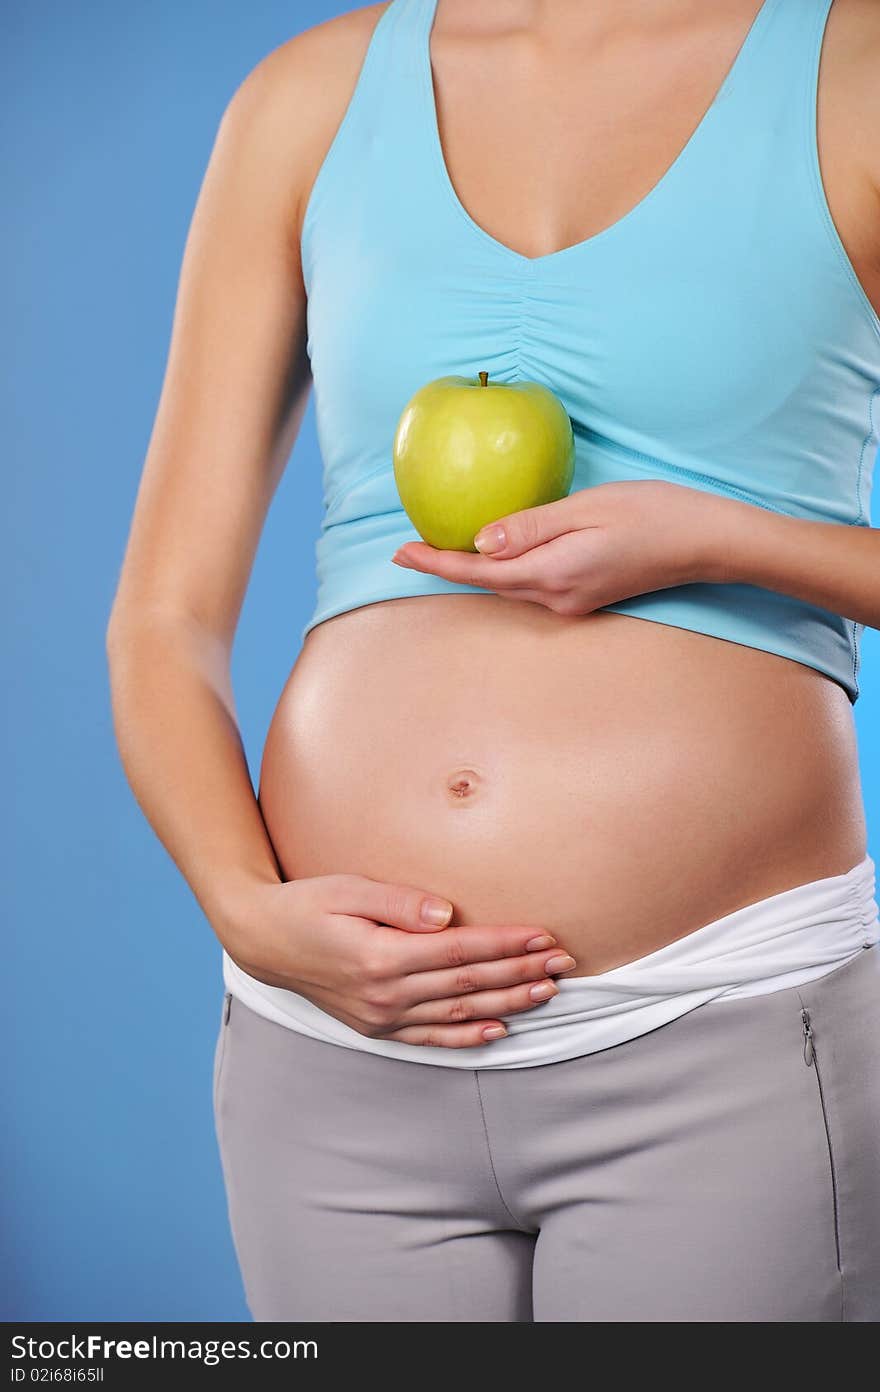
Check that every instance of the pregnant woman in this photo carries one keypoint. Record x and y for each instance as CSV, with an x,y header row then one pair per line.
x,y
550,940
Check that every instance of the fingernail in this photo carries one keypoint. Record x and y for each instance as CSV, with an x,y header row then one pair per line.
x,y
543,991
490,539
563,963
494,1032
401,561
535,944
436,912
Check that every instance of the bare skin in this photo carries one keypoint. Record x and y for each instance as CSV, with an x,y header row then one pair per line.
x,y
418,747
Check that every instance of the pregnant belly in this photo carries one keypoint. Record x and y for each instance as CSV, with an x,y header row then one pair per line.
x,y
614,781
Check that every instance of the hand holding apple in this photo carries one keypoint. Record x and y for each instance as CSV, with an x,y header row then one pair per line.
x,y
599,545
467,450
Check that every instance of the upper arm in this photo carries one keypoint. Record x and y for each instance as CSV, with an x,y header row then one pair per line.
x,y
237,375
865,129
873,138
854,125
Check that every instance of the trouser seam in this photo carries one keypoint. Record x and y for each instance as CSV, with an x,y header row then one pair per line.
x,y
494,1172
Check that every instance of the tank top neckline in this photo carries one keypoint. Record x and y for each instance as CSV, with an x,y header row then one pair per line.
x,y
534,263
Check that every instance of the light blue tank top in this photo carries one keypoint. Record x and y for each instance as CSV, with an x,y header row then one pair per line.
x,y
716,335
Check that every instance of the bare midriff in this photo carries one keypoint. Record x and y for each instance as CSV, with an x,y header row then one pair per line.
x,y
614,781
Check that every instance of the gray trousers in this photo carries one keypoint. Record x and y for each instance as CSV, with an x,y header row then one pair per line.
x,y
724,1167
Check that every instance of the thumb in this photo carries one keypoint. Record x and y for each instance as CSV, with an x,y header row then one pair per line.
x,y
520,531
400,906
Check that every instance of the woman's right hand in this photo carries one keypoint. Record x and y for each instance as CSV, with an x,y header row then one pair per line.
x,y
359,949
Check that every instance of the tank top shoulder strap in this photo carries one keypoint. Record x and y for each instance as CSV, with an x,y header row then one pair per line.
x,y
377,122
770,89
758,157
750,171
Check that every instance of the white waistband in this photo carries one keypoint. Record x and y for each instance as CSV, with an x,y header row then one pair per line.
x,y
782,941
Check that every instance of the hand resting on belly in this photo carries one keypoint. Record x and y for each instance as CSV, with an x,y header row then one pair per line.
x,y
358,948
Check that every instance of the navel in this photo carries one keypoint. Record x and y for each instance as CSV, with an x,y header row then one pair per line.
x,y
462,784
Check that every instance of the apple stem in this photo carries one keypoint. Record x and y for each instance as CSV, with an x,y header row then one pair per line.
x,y
484,378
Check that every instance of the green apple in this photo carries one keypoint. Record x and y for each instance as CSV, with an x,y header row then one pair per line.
x,y
468,451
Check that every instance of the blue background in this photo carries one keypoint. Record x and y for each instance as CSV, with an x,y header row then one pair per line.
x,y
112,1198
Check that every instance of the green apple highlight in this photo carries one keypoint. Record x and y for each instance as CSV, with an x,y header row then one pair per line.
x,y
468,451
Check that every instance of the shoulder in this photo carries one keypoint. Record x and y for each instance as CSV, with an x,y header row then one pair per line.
x,y
317,54
305,64
288,106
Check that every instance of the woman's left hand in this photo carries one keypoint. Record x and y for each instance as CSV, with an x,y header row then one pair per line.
x,y
596,546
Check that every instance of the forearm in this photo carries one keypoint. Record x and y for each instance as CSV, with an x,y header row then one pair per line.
x,y
182,753
829,564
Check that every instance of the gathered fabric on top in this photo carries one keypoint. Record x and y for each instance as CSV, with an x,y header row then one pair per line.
x,y
716,335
